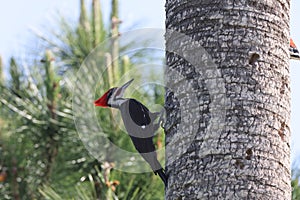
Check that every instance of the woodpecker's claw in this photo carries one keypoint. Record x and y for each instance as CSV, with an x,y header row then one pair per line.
x,y
161,119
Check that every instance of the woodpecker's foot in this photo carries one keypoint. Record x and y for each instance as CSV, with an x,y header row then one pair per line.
x,y
161,119
163,124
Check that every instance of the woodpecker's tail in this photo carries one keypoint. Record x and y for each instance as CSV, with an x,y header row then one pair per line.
x,y
162,175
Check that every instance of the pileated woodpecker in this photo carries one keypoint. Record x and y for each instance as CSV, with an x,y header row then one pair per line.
x,y
294,53
139,123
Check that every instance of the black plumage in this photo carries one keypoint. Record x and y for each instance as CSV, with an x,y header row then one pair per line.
x,y
140,125
139,113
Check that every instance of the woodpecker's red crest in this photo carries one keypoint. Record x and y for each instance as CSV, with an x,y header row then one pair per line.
x,y
292,44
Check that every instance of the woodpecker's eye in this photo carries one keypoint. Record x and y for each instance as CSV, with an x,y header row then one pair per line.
x,y
111,91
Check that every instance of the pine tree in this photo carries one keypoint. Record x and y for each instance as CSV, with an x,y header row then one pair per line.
x,y
49,158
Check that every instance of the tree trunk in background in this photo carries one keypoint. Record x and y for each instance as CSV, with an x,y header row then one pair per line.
x,y
249,157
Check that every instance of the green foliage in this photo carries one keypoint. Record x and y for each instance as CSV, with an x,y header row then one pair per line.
x,y
41,155
97,23
71,43
15,74
115,9
88,188
295,182
296,189
40,119
83,20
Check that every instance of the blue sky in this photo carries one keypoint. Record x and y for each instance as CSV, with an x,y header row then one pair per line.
x,y
18,16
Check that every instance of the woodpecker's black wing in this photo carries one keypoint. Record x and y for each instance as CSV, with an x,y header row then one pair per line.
x,y
138,121
139,113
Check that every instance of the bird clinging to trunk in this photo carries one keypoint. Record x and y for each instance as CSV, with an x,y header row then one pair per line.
x,y
139,123
294,53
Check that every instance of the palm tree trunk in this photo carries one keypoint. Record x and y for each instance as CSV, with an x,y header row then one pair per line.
x,y
237,145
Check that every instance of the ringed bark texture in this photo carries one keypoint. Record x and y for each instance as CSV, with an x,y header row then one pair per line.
x,y
250,157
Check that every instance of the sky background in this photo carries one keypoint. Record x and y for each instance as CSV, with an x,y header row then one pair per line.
x,y
18,17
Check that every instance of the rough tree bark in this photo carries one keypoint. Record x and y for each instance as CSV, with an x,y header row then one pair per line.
x,y
249,156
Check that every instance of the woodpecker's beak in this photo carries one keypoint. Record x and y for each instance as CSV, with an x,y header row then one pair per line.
x,y
120,90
